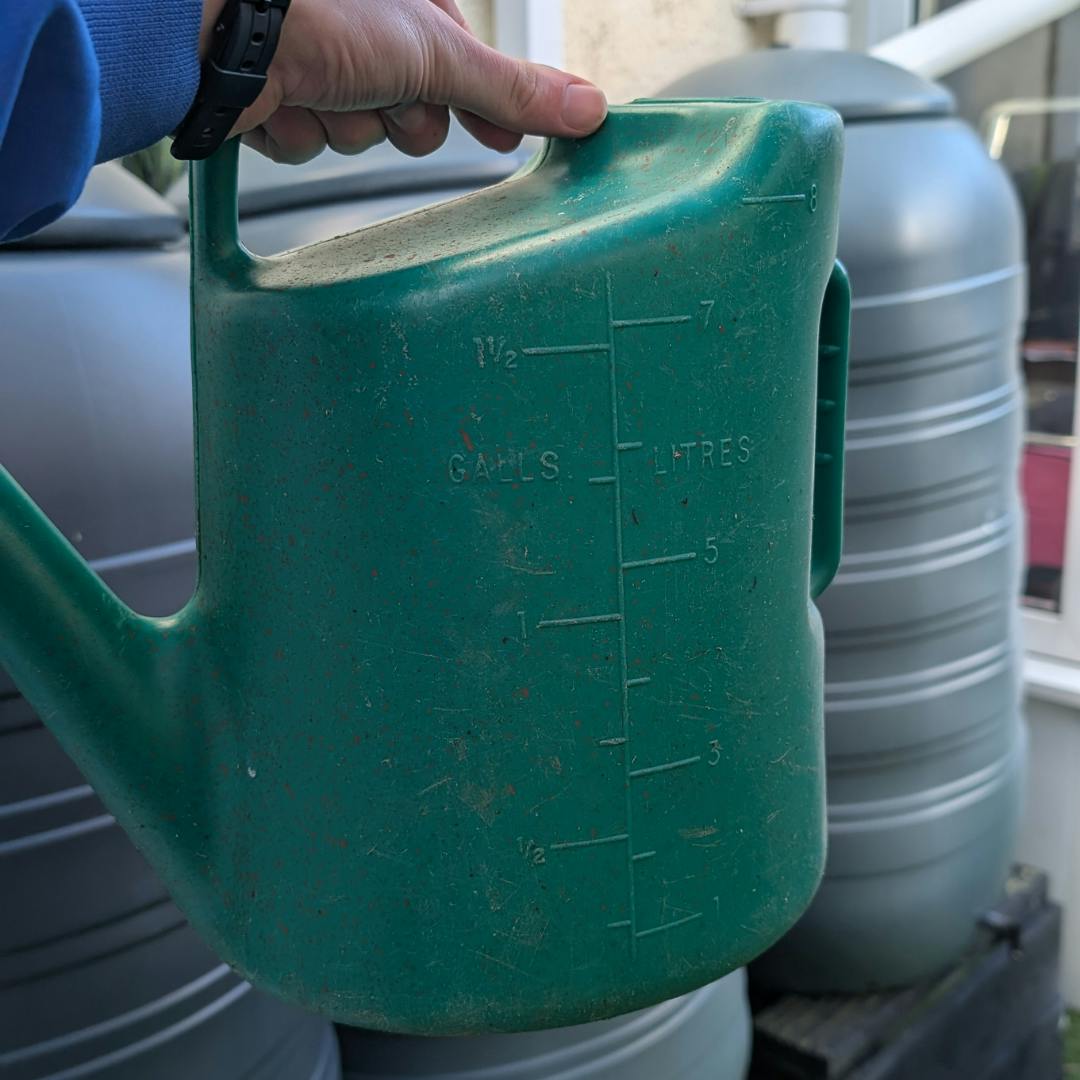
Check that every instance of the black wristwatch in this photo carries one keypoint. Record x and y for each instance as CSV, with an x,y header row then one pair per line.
x,y
233,74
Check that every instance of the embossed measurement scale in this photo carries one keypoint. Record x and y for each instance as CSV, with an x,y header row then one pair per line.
x,y
498,703
693,454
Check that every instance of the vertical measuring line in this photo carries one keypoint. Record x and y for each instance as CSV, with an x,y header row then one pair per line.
x,y
619,576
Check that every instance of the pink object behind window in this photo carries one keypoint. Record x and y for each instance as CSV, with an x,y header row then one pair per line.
x,y
1045,482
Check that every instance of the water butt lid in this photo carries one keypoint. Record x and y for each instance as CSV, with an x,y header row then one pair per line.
x,y
115,209
857,86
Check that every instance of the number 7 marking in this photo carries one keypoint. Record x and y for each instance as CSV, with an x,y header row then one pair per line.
x,y
708,306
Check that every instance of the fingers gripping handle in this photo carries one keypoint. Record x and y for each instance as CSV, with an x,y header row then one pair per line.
x,y
829,447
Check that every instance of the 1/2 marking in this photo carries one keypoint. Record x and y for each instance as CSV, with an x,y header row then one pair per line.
x,y
531,851
492,350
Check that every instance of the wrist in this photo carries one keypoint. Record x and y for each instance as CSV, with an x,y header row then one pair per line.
x,y
242,37
211,11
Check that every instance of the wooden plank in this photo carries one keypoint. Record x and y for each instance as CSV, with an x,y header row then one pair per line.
x,y
992,1008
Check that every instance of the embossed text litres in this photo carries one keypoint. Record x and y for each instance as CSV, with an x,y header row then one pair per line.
x,y
701,454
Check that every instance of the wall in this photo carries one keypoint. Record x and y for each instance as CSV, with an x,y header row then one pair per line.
x,y
631,48
478,14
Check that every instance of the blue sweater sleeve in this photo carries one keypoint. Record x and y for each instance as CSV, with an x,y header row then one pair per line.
x,y
148,58
82,83
49,111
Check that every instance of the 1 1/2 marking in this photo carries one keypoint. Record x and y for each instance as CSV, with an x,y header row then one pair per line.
x,y
490,350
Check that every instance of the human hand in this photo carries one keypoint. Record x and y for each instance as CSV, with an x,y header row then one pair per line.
x,y
350,73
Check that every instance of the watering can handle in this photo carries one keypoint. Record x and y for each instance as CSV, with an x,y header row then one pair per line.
x,y
215,236
832,375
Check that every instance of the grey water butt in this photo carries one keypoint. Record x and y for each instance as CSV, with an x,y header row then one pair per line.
x,y
701,1036
924,737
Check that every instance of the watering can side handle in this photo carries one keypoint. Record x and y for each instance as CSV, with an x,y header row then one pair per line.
x,y
832,375
213,193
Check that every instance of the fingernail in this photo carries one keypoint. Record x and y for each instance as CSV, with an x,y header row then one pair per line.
x,y
583,107
410,118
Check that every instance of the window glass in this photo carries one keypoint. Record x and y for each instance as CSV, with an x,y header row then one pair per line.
x,y
1040,149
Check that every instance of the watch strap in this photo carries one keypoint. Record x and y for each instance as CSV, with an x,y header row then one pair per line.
x,y
233,75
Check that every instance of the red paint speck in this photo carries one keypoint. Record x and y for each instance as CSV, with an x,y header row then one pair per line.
x,y
523,692
374,572
467,441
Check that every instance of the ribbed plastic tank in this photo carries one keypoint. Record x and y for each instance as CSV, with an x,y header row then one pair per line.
x,y
925,741
702,1036
100,976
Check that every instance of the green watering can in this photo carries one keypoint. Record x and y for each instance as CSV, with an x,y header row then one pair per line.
x,y
498,704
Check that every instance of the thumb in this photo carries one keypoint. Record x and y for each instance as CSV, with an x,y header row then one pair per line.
x,y
513,94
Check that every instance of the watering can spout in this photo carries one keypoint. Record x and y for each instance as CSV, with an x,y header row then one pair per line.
x,y
80,655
